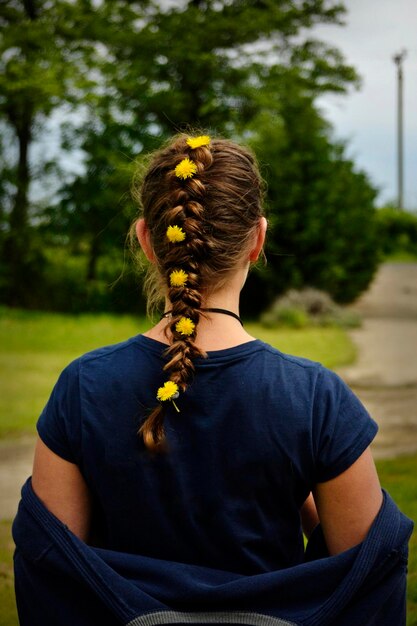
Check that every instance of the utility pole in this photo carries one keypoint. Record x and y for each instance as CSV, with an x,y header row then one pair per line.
x,y
398,60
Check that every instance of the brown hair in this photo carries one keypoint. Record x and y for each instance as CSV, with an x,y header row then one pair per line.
x,y
218,208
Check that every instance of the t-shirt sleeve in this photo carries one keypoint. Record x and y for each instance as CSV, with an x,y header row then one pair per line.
x,y
59,425
342,427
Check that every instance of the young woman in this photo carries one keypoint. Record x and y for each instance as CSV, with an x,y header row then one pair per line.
x,y
196,442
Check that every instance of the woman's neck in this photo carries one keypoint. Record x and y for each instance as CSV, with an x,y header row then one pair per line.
x,y
215,331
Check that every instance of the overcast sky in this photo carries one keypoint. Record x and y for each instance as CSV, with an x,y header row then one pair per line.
x,y
375,30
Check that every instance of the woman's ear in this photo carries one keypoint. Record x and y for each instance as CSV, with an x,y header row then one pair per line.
x,y
144,238
260,240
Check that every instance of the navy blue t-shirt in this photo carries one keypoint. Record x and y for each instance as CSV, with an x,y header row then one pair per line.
x,y
257,429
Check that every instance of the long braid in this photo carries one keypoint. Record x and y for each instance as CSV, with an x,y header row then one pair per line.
x,y
202,202
187,214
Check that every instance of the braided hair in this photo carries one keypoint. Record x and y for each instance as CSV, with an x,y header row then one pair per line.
x,y
201,200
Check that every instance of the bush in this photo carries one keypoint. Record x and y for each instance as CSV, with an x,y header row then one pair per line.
x,y
19,281
397,231
321,209
287,316
309,306
63,285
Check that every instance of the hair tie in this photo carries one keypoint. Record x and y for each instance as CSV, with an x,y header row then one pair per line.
x,y
178,278
197,142
175,234
186,169
185,326
169,391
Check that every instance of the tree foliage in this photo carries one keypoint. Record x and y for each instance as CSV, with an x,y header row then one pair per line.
x,y
322,216
44,52
139,71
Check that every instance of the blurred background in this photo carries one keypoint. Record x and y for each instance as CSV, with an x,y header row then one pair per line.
x,y
324,92
89,87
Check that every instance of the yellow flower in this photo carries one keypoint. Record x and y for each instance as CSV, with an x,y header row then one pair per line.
x,y
169,391
186,169
197,142
185,326
178,278
175,234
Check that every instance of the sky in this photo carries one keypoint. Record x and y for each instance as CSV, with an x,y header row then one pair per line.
x,y
375,30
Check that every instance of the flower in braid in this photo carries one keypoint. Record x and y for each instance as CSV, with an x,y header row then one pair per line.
x,y
180,268
202,201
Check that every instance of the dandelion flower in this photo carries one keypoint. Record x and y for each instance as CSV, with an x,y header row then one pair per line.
x,y
186,169
175,234
178,278
185,326
169,391
197,142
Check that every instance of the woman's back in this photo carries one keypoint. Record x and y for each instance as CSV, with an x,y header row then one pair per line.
x,y
256,431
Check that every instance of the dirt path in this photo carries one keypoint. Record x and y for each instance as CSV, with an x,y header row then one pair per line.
x,y
384,377
385,374
15,466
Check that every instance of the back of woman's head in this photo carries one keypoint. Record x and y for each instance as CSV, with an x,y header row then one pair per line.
x,y
202,201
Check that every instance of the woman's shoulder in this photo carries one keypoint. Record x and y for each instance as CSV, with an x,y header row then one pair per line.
x,y
108,361
292,366
114,350
296,372
291,359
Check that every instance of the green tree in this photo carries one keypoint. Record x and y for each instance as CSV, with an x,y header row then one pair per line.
x,y
95,209
195,65
140,71
201,62
46,50
323,231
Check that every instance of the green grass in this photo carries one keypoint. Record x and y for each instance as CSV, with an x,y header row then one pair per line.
x,y
398,476
401,256
8,616
35,347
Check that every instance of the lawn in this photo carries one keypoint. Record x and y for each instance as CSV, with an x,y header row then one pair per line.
x,y
399,478
35,347
8,615
401,256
